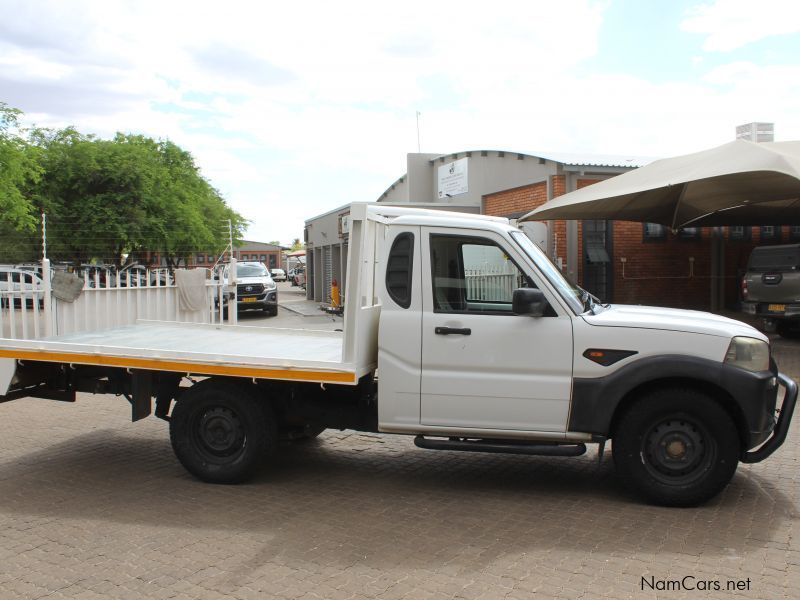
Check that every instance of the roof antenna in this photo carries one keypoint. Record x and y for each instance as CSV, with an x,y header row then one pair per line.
x,y
419,147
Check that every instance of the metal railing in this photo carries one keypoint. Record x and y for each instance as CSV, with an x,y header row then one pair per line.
x,y
492,283
30,310
25,305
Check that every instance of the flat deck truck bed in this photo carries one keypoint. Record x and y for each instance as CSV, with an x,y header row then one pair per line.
x,y
190,348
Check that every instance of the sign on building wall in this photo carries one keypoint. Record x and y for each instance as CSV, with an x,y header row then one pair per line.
x,y
453,179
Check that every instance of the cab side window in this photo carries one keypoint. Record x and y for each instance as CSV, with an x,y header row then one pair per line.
x,y
472,275
399,267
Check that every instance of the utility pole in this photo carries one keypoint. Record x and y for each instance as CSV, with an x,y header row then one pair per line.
x,y
419,147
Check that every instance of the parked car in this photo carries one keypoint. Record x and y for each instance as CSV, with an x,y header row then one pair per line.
x,y
299,277
16,284
771,287
98,275
31,267
278,274
161,277
135,273
255,288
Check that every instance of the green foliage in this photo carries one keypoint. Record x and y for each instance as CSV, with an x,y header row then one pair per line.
x,y
19,171
297,245
106,199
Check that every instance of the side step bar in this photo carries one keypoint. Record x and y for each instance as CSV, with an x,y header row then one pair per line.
x,y
500,446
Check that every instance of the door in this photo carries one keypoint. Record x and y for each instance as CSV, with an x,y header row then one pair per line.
x,y
483,366
400,331
596,262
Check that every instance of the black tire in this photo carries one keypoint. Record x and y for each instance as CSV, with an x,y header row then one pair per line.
x,y
220,432
676,447
272,311
310,434
788,329
300,435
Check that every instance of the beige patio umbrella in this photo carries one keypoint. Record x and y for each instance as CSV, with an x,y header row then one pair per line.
x,y
739,183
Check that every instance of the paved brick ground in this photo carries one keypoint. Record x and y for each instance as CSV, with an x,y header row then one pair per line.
x,y
93,506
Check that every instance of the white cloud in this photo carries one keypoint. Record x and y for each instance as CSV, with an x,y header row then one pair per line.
x,y
292,109
731,24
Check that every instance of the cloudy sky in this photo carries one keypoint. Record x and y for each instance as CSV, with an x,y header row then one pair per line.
x,y
295,108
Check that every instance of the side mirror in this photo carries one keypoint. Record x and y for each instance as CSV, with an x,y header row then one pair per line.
x,y
528,301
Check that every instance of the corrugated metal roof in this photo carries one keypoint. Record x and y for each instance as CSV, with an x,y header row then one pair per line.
x,y
587,160
596,160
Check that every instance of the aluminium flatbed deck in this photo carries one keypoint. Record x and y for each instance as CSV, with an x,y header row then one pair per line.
x,y
240,351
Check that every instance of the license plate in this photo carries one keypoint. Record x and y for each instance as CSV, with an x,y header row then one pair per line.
x,y
249,299
777,308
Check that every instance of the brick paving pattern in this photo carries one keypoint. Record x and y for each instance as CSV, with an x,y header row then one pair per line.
x,y
93,506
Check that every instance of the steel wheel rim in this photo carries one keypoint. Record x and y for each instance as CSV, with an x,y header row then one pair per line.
x,y
677,450
218,433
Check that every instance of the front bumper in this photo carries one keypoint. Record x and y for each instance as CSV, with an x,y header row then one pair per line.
x,y
260,301
781,427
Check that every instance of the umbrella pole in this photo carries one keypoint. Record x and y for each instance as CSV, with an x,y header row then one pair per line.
x,y
717,269
677,206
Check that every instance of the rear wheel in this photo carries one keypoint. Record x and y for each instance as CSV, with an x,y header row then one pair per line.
x,y
788,329
310,433
676,447
220,432
300,434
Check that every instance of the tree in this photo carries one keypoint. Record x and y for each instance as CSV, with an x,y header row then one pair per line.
x,y
297,245
106,199
19,170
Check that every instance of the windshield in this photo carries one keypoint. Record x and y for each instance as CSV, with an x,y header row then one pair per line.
x,y
571,293
251,270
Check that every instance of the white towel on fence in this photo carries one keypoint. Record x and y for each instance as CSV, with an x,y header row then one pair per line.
x,y
191,285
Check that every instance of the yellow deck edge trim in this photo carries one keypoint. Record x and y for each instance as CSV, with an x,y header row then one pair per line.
x,y
179,367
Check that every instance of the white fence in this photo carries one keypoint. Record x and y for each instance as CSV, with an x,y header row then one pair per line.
x,y
492,283
108,299
24,306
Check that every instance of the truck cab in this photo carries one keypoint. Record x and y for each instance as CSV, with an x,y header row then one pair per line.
x,y
484,343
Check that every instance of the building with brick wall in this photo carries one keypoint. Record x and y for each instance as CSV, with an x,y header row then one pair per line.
x,y
462,182
271,255
624,262
247,251
510,184
645,263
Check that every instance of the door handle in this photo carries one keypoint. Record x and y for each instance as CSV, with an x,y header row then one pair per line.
x,y
453,331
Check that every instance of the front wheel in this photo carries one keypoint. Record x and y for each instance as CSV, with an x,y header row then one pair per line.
x,y
676,447
220,432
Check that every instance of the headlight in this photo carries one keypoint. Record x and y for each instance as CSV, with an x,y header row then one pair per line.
x,y
748,353
271,286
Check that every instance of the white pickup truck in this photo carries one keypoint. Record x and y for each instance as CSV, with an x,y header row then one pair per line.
x,y
460,332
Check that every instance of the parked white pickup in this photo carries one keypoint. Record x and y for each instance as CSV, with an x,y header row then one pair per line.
x,y
521,362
